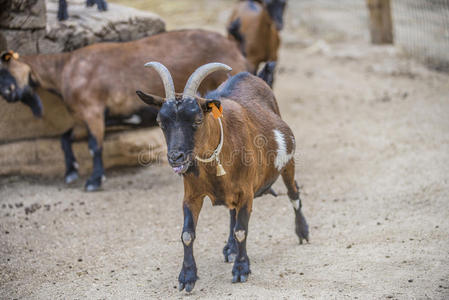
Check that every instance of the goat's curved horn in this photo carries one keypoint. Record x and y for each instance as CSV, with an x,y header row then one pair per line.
x,y
199,75
166,79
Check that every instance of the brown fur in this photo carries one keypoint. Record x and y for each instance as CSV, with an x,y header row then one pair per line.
x,y
249,112
260,38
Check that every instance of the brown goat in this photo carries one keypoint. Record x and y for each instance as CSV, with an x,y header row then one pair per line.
x,y
231,159
97,83
255,32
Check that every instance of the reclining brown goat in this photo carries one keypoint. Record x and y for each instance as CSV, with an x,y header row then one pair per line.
x,y
231,159
97,83
254,25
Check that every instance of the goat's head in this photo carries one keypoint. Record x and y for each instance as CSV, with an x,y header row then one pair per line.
x,y
17,83
276,10
182,118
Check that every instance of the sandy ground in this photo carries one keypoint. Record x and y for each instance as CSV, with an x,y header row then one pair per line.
x,y
372,130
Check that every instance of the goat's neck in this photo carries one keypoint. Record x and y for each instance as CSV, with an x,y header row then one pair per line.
x,y
48,69
209,138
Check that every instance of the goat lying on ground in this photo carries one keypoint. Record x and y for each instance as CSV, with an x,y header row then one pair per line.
x,y
97,83
231,160
254,25
64,15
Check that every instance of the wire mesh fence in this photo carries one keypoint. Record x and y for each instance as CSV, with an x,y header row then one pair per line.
x,y
421,27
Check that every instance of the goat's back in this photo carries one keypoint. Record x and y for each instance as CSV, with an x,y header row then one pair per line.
x,y
249,91
114,71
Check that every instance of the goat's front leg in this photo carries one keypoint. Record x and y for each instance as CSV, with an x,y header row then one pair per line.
x,y
241,270
230,250
71,166
188,275
95,180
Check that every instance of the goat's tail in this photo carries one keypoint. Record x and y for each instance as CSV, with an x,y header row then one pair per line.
x,y
267,73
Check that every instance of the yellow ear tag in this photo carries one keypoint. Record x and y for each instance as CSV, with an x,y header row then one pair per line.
x,y
217,113
15,55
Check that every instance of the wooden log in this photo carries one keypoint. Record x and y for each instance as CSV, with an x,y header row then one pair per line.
x,y
44,156
381,24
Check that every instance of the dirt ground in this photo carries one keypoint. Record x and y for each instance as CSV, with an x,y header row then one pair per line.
x,y
372,132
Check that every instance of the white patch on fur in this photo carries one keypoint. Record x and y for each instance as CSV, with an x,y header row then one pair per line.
x,y
186,238
295,204
134,119
240,235
282,157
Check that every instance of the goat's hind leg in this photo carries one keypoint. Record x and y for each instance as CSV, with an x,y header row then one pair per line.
x,y
288,175
71,166
95,126
230,250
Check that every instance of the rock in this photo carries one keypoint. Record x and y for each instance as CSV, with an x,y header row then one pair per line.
x,y
19,14
3,44
44,156
27,41
86,25
32,27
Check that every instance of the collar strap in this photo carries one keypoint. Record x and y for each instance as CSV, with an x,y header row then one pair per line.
x,y
216,155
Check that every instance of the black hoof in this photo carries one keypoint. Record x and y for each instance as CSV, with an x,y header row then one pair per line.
x,y
187,278
230,251
240,270
71,177
93,184
90,3
302,229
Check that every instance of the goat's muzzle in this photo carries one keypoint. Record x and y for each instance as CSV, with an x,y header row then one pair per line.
x,y
179,161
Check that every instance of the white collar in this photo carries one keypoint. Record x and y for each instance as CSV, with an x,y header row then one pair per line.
x,y
216,155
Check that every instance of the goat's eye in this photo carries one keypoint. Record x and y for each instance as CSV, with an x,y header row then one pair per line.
x,y
197,123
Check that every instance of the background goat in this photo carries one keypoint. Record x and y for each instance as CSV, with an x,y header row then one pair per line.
x,y
255,146
254,25
97,83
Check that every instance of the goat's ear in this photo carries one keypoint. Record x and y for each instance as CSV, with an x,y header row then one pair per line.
x,y
207,104
150,99
7,55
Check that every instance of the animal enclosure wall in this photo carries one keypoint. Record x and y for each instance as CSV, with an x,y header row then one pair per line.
x,y
420,27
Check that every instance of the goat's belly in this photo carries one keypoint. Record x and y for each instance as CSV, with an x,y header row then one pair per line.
x,y
143,117
265,187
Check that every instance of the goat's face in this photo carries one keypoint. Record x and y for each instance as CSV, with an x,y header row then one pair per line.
x,y
179,121
182,123
8,86
17,84
276,10
182,117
